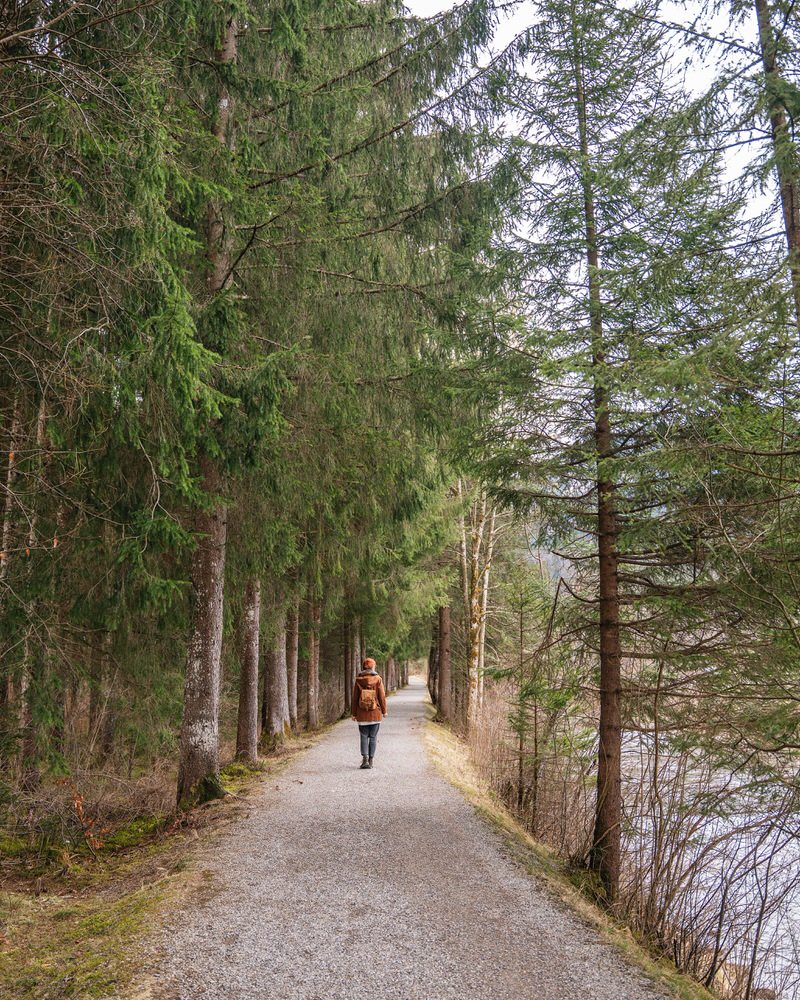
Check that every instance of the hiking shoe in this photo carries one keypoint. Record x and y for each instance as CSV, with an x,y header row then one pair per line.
x,y
365,763
369,762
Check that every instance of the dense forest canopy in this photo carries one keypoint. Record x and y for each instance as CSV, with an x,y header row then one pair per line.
x,y
464,335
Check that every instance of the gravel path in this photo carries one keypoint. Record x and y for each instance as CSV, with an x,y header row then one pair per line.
x,y
383,884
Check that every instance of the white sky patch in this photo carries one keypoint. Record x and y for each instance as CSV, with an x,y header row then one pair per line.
x,y
697,66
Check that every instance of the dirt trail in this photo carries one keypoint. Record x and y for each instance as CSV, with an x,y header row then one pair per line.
x,y
383,884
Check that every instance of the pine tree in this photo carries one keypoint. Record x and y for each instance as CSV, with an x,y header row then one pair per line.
x,y
636,306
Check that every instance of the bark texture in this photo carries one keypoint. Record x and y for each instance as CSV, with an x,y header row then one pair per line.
x,y
292,646
314,616
605,856
433,664
198,770
355,651
347,661
32,653
11,696
476,566
445,690
391,674
250,629
278,727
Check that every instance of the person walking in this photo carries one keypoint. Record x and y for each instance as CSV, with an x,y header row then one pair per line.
x,y
369,707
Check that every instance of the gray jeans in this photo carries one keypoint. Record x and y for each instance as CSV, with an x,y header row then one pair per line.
x,y
369,737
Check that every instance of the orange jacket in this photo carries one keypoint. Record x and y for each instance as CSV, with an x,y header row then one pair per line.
x,y
369,679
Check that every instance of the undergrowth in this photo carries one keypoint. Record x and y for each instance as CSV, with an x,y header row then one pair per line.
x,y
574,886
74,915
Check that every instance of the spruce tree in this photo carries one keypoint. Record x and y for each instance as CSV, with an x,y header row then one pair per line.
x,y
636,307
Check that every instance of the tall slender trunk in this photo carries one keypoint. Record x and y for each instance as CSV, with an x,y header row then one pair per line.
x,y
101,723
278,727
463,555
445,680
265,691
784,147
314,616
250,631
537,768
487,569
522,719
32,665
30,776
433,664
391,673
347,660
9,502
198,770
102,717
605,856
474,619
95,693
292,645
356,652
218,249
8,695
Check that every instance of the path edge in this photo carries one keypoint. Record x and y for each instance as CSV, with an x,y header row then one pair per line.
x,y
451,759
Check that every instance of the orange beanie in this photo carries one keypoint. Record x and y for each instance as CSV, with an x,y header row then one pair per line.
x,y
368,662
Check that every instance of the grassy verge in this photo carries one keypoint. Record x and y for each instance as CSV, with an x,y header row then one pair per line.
x,y
451,758
71,928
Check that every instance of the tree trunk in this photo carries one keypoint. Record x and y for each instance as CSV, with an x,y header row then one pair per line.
x,y
292,644
9,502
445,700
250,630
278,727
347,661
391,674
433,663
95,694
487,569
218,250
10,695
264,693
198,772
784,149
314,615
30,776
32,667
475,596
355,662
102,721
605,855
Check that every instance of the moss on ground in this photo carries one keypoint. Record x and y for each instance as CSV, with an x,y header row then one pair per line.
x,y
73,924
238,775
451,758
84,949
135,833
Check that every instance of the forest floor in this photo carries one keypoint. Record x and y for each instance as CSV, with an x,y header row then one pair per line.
x,y
338,883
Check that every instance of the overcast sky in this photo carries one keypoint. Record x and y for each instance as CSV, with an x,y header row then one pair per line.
x,y
699,74
675,12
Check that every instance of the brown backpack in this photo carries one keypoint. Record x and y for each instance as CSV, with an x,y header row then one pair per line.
x,y
367,699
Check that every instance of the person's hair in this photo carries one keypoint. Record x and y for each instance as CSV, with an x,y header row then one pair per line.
x,y
368,662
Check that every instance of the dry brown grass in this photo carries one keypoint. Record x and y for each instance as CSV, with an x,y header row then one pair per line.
x,y
73,928
451,756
